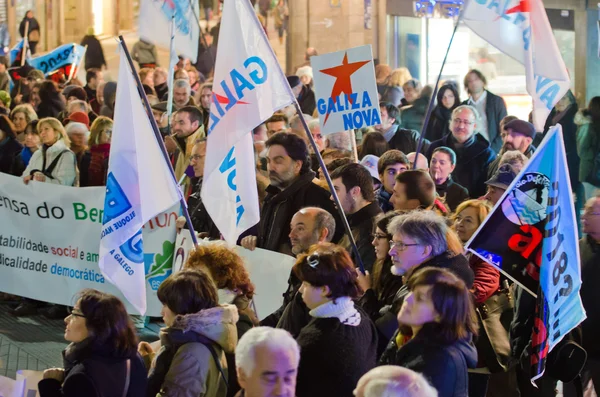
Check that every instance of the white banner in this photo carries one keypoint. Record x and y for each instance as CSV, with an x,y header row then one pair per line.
x,y
50,237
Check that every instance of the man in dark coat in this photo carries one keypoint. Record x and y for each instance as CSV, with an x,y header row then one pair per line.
x,y
516,135
94,55
305,96
93,78
491,108
473,152
402,139
290,190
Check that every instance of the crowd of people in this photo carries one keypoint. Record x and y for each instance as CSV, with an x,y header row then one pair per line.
x,y
415,323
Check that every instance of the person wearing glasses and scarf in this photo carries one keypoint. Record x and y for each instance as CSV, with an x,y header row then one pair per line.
x,y
339,344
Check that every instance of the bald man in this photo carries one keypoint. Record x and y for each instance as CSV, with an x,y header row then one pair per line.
x,y
393,381
422,163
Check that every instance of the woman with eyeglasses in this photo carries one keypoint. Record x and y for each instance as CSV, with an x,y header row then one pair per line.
x,y
436,324
94,165
339,343
102,358
381,286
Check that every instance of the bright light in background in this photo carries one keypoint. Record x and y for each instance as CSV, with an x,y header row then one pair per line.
x,y
97,9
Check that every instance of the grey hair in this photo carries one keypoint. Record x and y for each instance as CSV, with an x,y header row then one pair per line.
x,y
323,220
83,106
313,124
515,158
75,127
263,336
339,140
468,107
416,387
425,227
182,83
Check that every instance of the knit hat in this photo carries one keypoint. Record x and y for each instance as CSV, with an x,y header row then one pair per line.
x,y
77,92
5,98
294,81
160,107
503,177
78,117
522,127
370,163
305,71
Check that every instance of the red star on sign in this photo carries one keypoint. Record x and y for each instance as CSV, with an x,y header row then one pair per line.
x,y
343,83
523,6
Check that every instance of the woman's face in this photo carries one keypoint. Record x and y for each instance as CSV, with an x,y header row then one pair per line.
x,y
32,140
381,242
48,135
417,308
105,136
466,223
448,99
441,167
305,79
76,329
563,103
19,121
312,296
410,93
167,315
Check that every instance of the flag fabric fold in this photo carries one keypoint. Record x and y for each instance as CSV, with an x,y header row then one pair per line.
x,y
531,236
61,60
249,86
521,30
139,186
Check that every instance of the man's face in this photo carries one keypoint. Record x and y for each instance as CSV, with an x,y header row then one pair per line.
x,y
276,126
160,118
181,96
283,170
474,84
405,254
197,158
398,199
206,98
591,218
346,199
388,178
273,375
149,80
463,125
513,140
77,140
182,126
94,82
386,121
302,232
35,96
318,137
493,194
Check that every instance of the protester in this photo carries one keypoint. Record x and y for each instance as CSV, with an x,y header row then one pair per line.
x,y
353,185
21,116
160,83
94,165
277,123
51,102
412,90
339,140
79,135
412,115
93,77
339,344
182,95
187,127
203,98
306,76
421,160
414,189
144,53
443,162
398,138
516,135
290,190
94,54
31,144
101,359
32,26
439,122
267,362
281,15
10,148
437,322
473,152
391,89
390,164
373,143
393,381
515,159
198,333
304,95
497,184
34,97
55,163
314,127
4,76
491,108
588,146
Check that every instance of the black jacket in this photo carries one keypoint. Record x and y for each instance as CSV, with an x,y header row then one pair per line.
x,y
472,162
307,101
590,295
33,25
443,365
10,152
51,108
361,224
94,55
280,206
438,126
412,116
495,111
200,218
452,193
98,374
407,141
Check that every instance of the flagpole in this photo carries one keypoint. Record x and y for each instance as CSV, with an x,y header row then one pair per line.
x,y
171,75
435,90
25,43
72,72
158,137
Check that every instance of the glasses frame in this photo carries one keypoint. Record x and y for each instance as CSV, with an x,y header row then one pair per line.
x,y
400,245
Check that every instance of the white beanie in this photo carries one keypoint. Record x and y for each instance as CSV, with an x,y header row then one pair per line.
x,y
304,71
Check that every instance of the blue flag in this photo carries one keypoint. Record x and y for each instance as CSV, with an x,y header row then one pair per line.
x,y
531,236
63,58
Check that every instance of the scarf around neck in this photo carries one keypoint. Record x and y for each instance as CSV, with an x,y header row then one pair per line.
x,y
341,308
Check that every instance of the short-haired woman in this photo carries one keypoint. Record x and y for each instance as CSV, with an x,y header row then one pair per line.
x,y
443,162
21,116
94,165
55,163
437,322
102,359
339,344
191,360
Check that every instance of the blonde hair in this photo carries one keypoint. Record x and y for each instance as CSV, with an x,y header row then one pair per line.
x,y
27,110
382,72
98,126
482,207
57,127
399,77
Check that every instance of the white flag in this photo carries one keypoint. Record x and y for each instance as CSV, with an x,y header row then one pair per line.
x,y
155,21
520,29
248,87
139,186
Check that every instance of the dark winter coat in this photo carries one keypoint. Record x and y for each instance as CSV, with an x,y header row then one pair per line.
x,y
472,162
50,108
96,371
590,295
495,110
10,152
439,123
443,365
407,141
588,145
201,220
280,206
94,166
94,55
452,193
412,116
496,163
361,224
383,198
307,101
34,25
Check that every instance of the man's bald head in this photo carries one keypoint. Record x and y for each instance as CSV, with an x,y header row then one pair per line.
x,y
310,225
393,381
422,163
310,52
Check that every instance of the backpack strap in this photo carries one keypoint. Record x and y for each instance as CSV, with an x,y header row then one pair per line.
x,y
48,171
209,345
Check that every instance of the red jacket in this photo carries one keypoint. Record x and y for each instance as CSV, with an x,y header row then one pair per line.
x,y
487,279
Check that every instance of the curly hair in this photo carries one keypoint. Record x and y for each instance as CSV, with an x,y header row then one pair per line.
x,y
225,266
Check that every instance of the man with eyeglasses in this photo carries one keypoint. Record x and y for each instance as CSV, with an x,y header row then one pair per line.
x,y
516,135
473,152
